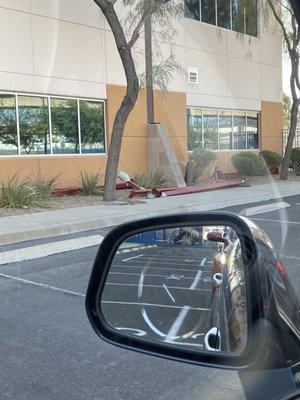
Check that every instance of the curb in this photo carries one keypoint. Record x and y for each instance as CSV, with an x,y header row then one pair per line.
x,y
92,224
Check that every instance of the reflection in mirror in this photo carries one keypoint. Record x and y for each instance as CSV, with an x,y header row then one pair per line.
x,y
184,286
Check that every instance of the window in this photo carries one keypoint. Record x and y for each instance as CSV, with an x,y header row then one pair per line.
x,y
34,125
223,14
38,125
92,127
238,16
8,125
208,11
251,17
225,130
192,9
252,131
239,131
210,129
65,138
222,129
194,129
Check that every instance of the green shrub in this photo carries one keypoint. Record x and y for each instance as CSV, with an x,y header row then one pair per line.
x,y
272,159
16,193
157,179
43,186
90,182
295,156
249,164
199,159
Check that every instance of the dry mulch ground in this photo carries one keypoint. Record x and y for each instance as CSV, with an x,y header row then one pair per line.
x,y
61,202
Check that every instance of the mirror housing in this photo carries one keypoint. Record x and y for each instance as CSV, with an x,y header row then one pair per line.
x,y
256,331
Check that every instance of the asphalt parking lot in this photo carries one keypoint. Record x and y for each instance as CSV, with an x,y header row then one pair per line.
x,y
161,293
49,350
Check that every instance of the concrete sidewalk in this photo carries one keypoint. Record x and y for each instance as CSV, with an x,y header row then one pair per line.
x,y
66,221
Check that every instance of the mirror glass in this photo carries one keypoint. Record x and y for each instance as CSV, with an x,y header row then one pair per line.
x,y
183,286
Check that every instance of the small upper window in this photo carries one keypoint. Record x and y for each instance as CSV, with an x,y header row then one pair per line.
x,y
192,9
238,16
223,14
208,11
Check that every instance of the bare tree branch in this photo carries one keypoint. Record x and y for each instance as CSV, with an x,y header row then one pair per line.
x,y
279,20
147,13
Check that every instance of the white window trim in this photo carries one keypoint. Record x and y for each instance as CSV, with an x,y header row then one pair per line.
x,y
48,96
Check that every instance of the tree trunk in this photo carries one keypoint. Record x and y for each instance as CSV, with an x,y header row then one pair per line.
x,y
128,102
116,142
292,132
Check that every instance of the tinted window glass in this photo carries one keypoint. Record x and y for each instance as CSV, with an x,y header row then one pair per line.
x,y
64,126
239,130
251,17
238,16
208,11
92,127
192,9
210,129
252,131
8,125
34,125
223,13
194,128
225,130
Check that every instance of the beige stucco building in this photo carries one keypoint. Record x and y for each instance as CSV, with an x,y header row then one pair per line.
x,y
61,82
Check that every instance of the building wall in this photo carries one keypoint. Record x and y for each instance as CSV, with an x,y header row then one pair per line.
x,y
65,47
271,126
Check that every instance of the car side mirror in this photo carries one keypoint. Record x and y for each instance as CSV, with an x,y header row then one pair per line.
x,y
162,286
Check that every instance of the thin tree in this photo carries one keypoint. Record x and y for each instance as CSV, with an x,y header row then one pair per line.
x,y
284,13
138,12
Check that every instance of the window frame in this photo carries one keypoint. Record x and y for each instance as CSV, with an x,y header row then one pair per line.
x,y
232,111
49,97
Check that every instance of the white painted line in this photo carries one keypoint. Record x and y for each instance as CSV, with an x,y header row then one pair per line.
x,y
203,262
141,282
156,286
278,221
172,334
167,290
129,303
44,250
196,281
41,285
150,267
291,257
131,258
247,212
151,326
159,275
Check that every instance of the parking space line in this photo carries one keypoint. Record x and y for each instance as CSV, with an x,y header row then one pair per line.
x,y
177,324
131,258
203,262
41,285
150,267
277,221
159,275
167,290
129,303
196,281
157,286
